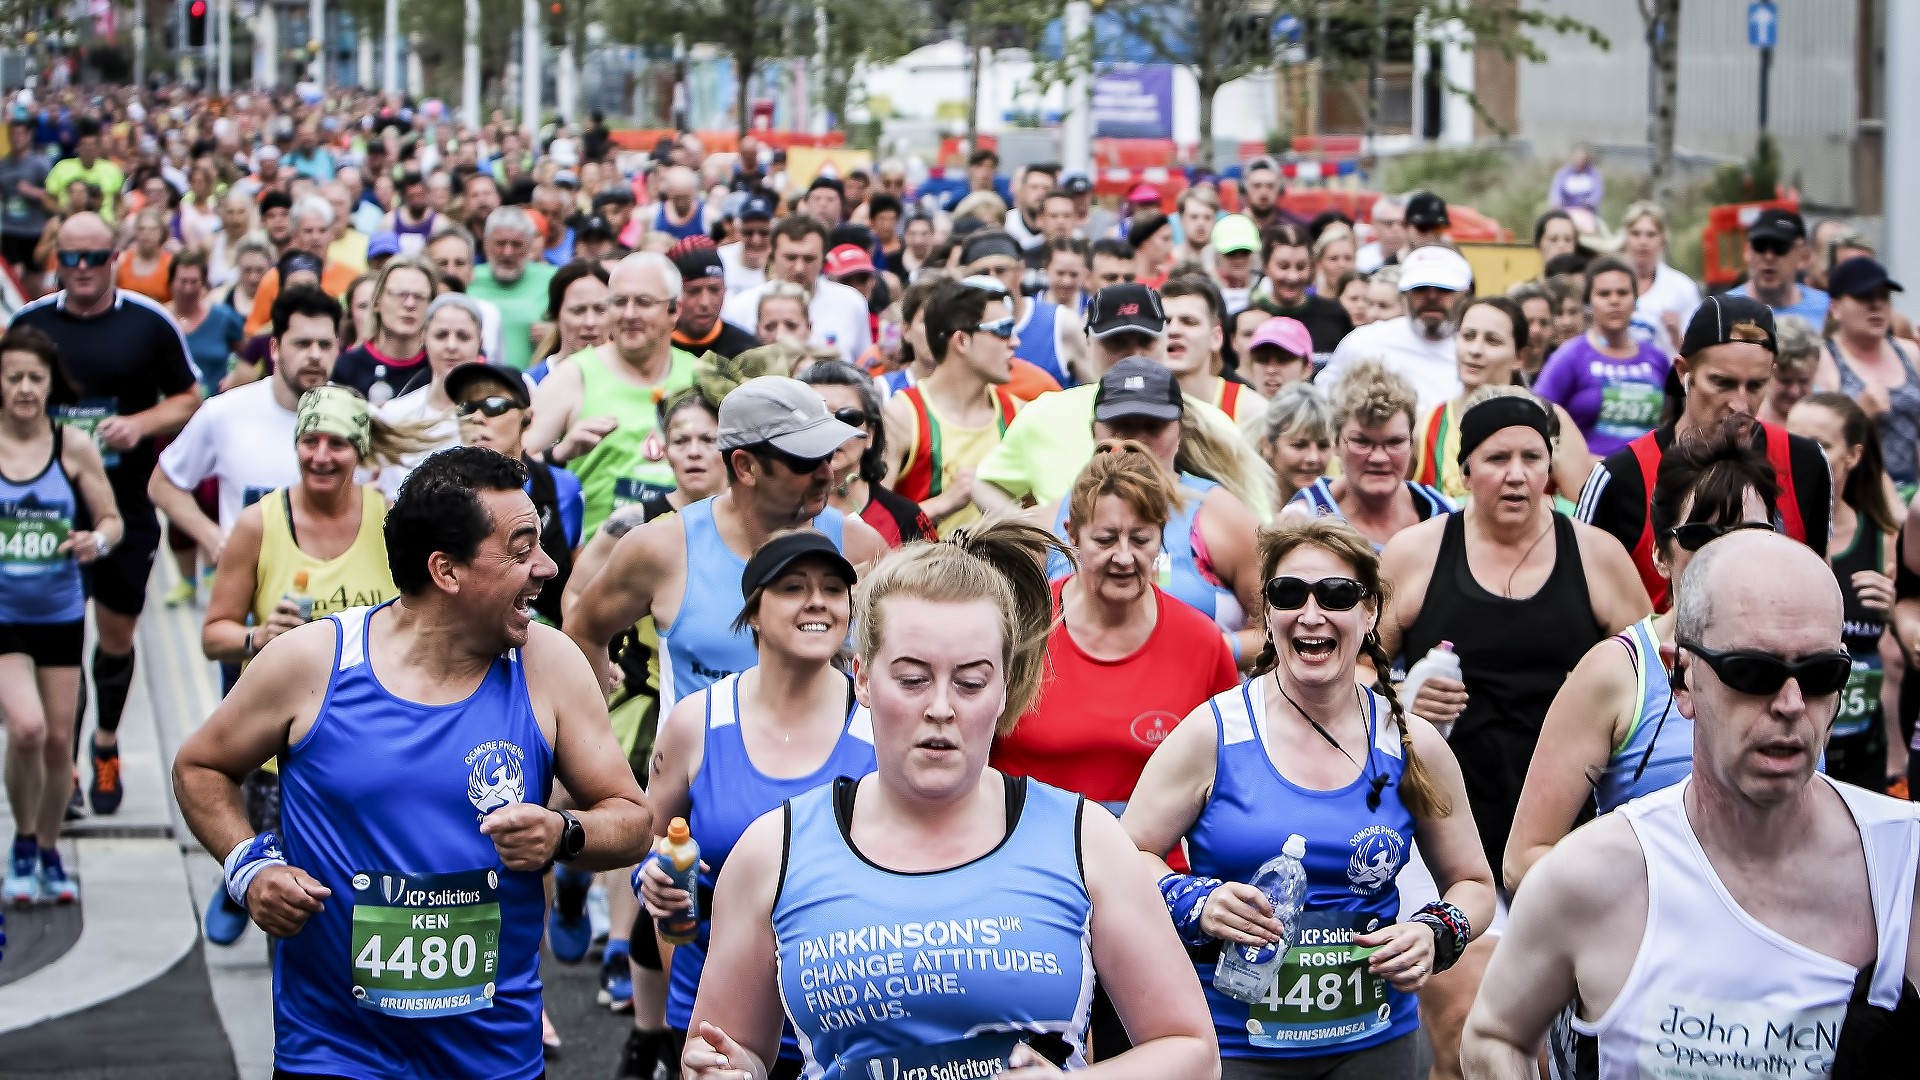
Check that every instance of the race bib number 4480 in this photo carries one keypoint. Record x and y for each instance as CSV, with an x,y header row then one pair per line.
x,y
425,944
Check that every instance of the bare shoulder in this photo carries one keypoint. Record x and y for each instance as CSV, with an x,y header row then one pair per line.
x,y
753,866
1428,743
1417,540
861,542
1598,543
1594,878
550,654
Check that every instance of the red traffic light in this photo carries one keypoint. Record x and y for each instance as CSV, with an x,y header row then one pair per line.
x,y
556,9
197,9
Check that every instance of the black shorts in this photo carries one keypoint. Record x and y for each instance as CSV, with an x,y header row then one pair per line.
x,y
119,581
18,250
46,644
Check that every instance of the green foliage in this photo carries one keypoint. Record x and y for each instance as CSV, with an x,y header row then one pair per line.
x,y
1754,180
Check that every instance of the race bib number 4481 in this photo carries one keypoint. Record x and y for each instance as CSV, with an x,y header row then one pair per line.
x,y
425,944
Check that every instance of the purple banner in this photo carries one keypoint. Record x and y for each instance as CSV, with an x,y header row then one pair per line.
x,y
1133,101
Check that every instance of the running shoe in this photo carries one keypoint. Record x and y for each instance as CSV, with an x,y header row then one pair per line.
x,y
181,593
549,1037
568,931
77,803
599,919
616,978
22,886
106,792
225,920
641,1056
55,885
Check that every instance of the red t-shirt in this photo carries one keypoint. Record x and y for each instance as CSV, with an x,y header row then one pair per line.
x,y
1097,721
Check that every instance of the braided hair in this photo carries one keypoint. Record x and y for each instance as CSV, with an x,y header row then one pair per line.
x,y
1418,789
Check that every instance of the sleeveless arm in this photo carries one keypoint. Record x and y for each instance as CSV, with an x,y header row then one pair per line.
x,y
739,991
270,708
555,401
1141,962
81,459
1173,788
898,424
1572,935
621,594
1576,741
677,753
1451,844
1407,563
863,543
1614,588
586,756
223,634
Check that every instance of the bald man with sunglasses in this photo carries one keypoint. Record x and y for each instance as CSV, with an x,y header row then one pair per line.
x,y
1751,920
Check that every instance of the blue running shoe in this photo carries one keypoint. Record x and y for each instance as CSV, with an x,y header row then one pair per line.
x,y
569,932
616,978
225,920
22,886
55,885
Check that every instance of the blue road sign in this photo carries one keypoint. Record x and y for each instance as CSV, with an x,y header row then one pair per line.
x,y
1288,27
1763,24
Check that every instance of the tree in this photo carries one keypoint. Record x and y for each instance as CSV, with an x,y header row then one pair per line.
x,y
1661,18
858,33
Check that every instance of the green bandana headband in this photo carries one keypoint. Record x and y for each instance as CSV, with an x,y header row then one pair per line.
x,y
336,411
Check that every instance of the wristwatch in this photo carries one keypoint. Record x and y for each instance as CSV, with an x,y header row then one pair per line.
x,y
573,838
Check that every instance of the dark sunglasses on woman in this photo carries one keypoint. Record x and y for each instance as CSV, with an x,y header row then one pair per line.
x,y
851,417
1695,535
1762,674
490,406
1333,593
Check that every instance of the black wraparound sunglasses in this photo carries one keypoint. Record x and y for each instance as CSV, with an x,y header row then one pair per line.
x,y
1762,674
1695,535
98,257
1334,593
491,406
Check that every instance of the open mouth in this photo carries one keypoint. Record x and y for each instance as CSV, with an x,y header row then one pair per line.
x,y
815,628
1313,648
523,606
937,744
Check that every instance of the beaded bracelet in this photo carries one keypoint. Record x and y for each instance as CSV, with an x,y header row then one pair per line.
x,y
1451,932
1186,898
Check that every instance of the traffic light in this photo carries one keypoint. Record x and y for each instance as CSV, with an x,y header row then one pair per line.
x,y
197,24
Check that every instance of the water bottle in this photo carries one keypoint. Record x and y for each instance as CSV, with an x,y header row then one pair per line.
x,y
1244,970
299,598
381,391
679,856
1441,662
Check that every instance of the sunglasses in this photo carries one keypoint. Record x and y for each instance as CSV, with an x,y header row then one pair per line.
x,y
1763,674
1770,247
95,257
492,406
1695,535
1001,328
797,465
851,417
1333,593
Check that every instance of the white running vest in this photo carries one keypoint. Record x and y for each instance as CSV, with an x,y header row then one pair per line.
x,y
1715,995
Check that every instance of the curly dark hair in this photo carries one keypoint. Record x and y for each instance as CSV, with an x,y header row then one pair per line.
x,y
439,509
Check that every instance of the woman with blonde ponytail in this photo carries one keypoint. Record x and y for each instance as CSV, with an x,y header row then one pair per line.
x,y
1302,748
936,850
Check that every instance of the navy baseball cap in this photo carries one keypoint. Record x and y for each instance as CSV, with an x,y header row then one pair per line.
x,y
1860,276
756,208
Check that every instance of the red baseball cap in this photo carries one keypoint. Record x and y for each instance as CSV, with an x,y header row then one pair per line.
x,y
848,259
1143,193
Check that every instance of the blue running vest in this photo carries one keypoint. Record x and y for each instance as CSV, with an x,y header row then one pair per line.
x,y
425,961
1671,740
1181,577
1322,1002
701,647
39,586
942,966
1037,341
728,794
1428,501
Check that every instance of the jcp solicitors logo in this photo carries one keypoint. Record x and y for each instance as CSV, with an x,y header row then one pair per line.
x,y
1153,726
496,776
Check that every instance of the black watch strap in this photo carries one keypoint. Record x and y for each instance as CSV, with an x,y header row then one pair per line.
x,y
573,838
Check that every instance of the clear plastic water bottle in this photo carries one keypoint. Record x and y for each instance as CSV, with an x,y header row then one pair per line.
x,y
1440,662
1244,970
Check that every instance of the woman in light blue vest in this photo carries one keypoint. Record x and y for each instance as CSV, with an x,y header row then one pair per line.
x,y
1612,734
1300,748
938,915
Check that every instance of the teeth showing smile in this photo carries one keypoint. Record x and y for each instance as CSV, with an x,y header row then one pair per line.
x,y
813,628
1313,646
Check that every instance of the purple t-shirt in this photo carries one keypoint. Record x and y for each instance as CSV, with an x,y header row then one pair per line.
x,y
1613,401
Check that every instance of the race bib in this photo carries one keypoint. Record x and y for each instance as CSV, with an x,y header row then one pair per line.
x,y
1323,995
1860,699
425,944
1629,410
630,492
86,417
956,1059
30,536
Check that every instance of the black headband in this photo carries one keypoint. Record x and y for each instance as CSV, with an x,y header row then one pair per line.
x,y
1498,413
986,245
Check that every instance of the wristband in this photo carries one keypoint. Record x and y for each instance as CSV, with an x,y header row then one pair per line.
x,y
245,862
1451,932
1186,898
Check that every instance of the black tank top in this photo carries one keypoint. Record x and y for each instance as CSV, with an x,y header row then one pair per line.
x,y
1855,750
1514,655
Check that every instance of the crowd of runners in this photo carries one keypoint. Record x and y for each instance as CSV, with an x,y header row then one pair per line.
x,y
991,579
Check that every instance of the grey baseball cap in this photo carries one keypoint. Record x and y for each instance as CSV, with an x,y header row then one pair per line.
x,y
783,412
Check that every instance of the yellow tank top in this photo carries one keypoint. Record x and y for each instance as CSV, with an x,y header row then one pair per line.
x,y
358,577
960,448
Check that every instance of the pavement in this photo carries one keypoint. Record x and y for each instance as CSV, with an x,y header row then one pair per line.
x,y
123,986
